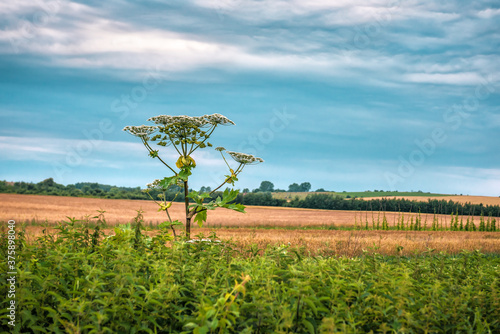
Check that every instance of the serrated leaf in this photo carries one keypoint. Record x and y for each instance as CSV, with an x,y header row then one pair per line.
x,y
309,326
201,217
201,330
168,181
184,173
310,303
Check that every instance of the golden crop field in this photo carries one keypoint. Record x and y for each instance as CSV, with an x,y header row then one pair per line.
x,y
260,225
486,200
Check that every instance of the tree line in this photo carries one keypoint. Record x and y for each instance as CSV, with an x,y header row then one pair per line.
x,y
268,186
81,189
330,202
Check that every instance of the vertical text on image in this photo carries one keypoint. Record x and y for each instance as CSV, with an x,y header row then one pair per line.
x,y
11,272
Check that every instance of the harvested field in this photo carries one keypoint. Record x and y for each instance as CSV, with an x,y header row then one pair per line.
x,y
352,243
250,228
25,208
486,200
343,243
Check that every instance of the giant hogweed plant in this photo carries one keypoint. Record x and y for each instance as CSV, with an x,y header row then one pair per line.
x,y
187,134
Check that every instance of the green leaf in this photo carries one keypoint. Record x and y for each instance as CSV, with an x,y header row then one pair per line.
x,y
167,182
308,325
185,173
201,330
235,207
229,195
197,197
213,324
201,217
310,303
167,224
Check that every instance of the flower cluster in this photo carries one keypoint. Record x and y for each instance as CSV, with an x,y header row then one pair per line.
x,y
154,185
198,121
181,120
218,119
142,131
244,158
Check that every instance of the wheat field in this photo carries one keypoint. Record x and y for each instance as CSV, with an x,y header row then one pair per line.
x,y
260,226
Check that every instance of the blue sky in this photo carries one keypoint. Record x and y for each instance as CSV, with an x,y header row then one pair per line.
x,y
346,95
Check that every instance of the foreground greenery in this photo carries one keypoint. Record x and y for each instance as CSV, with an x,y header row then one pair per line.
x,y
81,282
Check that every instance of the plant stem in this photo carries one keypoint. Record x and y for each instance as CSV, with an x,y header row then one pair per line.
x,y
208,136
186,203
238,170
151,150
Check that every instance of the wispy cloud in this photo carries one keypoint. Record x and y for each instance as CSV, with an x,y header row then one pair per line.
x,y
467,78
363,78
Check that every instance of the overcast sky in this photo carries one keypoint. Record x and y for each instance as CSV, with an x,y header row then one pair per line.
x,y
347,95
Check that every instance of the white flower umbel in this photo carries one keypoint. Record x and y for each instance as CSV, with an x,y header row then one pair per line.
x,y
154,185
243,158
198,121
218,119
142,131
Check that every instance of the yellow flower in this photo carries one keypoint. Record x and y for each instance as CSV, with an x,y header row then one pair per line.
x,y
185,161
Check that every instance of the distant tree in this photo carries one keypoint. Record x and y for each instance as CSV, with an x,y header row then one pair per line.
x,y
48,182
320,190
97,192
305,187
205,190
86,189
246,190
294,187
266,186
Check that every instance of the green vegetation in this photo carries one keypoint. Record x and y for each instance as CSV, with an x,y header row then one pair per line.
x,y
380,222
87,189
81,281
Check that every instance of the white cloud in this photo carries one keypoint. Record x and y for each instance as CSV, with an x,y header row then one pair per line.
x,y
16,148
80,152
488,13
80,36
465,78
469,180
